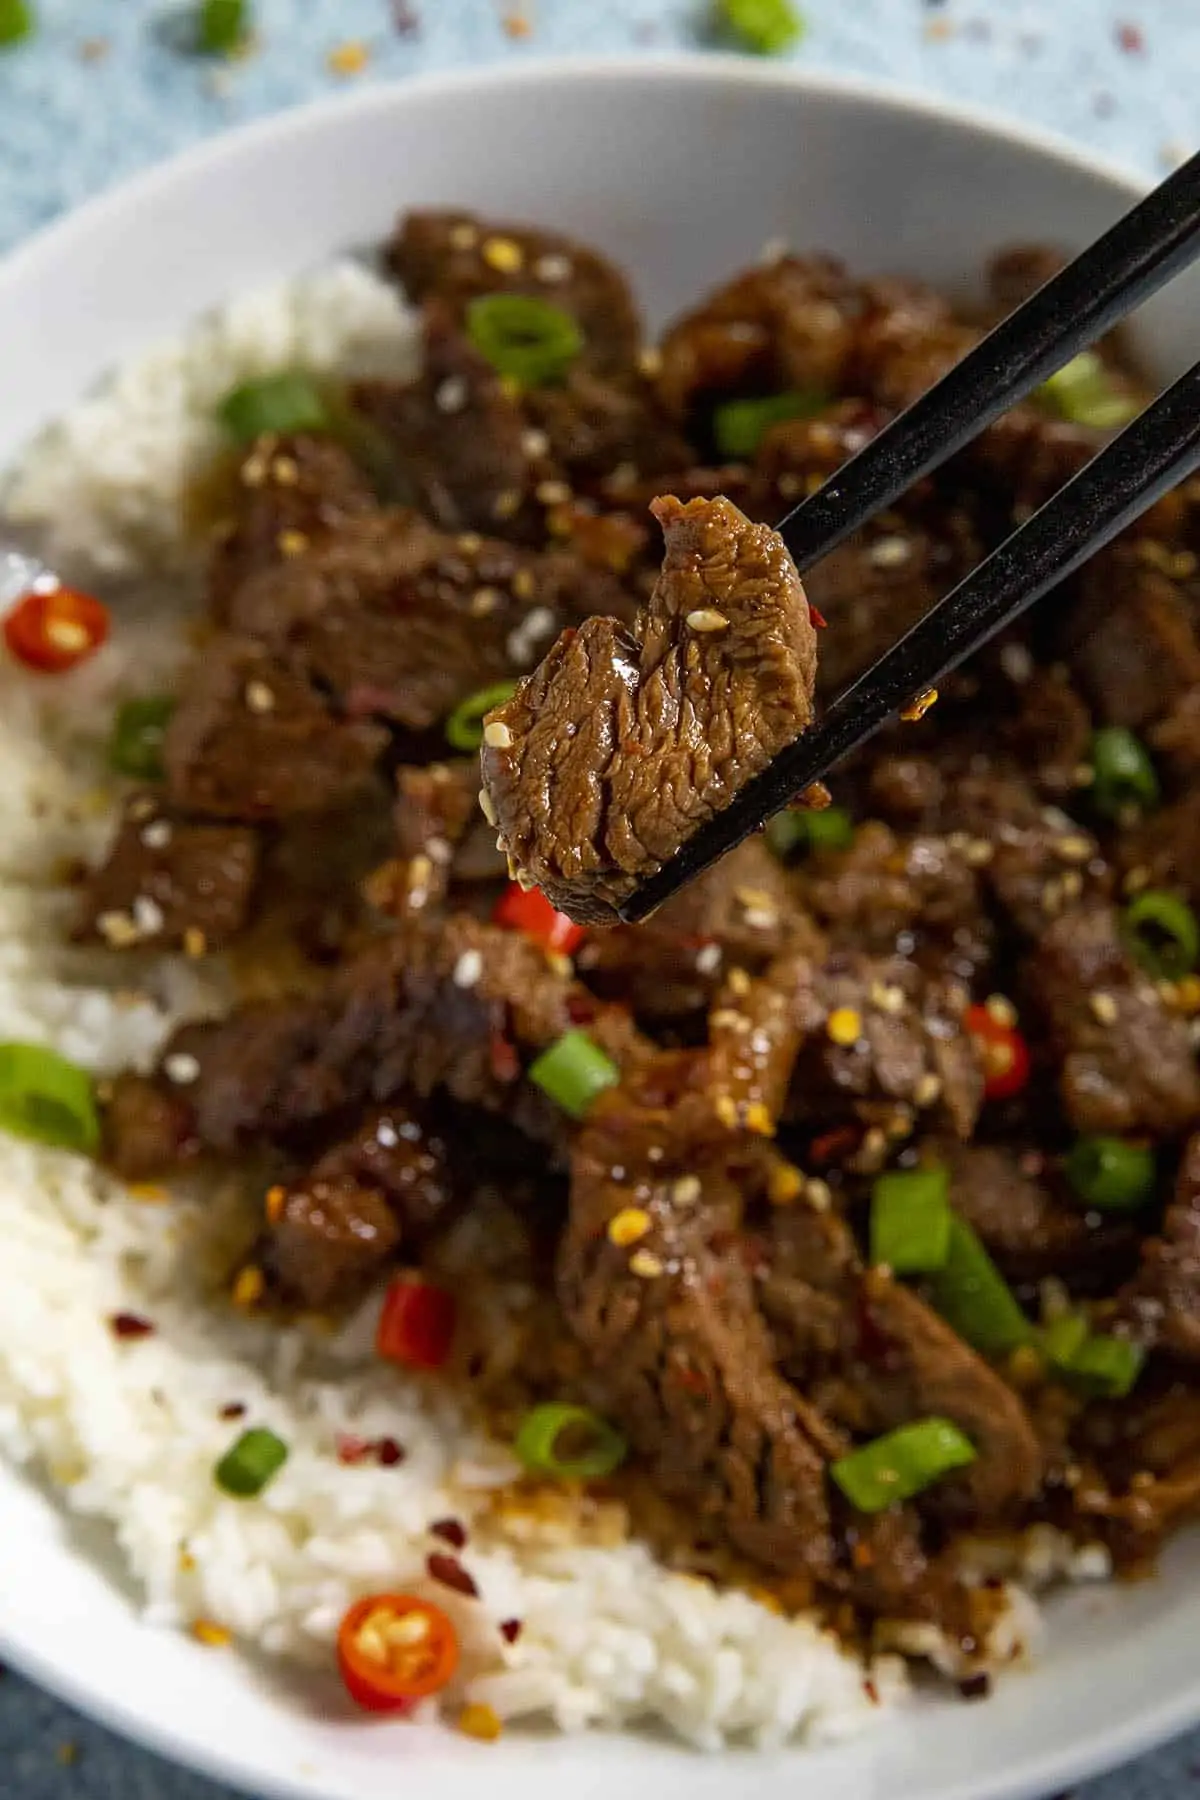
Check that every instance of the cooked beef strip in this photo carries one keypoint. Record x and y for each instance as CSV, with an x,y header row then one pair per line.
x,y
1132,1072
289,493
619,746
331,1230
438,821
252,740
1036,861
1163,850
1161,1305
458,256
170,881
1050,734
1130,639
594,425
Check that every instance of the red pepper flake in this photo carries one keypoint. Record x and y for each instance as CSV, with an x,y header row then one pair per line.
x,y
816,618
1130,40
352,1450
94,49
871,1691
390,1452
450,1531
450,1572
506,1064
510,1630
692,1380
581,1009
130,1325
832,1145
233,1410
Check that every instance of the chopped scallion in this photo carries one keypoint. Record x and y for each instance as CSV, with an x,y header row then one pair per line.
x,y
464,727
1110,1174
47,1098
766,27
1105,1368
570,1442
250,1463
800,828
1123,776
17,22
530,341
974,1299
289,401
135,747
1162,933
573,1071
221,26
739,426
902,1463
1084,393
910,1220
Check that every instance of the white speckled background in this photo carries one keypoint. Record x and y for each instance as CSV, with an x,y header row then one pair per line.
x,y
104,87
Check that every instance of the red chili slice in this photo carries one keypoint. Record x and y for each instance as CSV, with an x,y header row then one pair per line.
x,y
394,1650
1005,1053
531,912
416,1326
56,630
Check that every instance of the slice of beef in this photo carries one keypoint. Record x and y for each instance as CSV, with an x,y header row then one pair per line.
x,y
169,881
1175,739
620,746
441,837
289,493
1050,732
678,1352
797,455
1164,848
458,256
251,740
331,1230
1127,1066
883,1042
786,324
1035,859
594,425
1130,639
464,454
882,888
1161,1305
908,792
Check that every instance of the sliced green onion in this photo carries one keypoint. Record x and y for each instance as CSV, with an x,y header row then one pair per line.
x,y
1083,392
1063,1337
249,1464
1110,1174
47,1098
1162,934
221,26
135,747
464,727
570,1442
289,401
974,1299
16,22
803,828
910,1220
1104,1367
767,27
901,1463
1123,775
526,339
573,1071
739,426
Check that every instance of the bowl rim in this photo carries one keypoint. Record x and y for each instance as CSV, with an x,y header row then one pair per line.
x,y
1112,1742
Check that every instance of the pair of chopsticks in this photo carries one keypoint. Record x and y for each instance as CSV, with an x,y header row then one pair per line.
x,y
1142,252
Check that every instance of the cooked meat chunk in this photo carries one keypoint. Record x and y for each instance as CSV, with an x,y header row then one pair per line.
x,y
882,887
438,819
458,256
1161,1305
169,881
1164,849
251,740
619,746
289,493
1130,639
1127,1067
593,425
1050,734
1029,1225
1035,860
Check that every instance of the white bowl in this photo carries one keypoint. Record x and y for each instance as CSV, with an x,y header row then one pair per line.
x,y
682,169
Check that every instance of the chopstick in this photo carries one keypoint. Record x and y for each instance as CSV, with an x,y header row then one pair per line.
x,y
1154,453
1140,253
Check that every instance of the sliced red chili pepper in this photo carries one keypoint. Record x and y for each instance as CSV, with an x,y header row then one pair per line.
x,y
394,1650
816,618
54,631
1005,1053
416,1326
531,912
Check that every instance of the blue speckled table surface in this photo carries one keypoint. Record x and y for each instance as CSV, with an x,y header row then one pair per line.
x,y
104,87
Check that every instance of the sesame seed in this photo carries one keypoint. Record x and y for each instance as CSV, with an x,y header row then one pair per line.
x,y
506,503
1000,1008
708,959
181,1068
142,807
707,618
818,1194
978,853
888,999
66,634
249,1286
469,542
916,709
535,444
523,640
1016,662
1135,880
889,553
560,963
486,807
844,1026
157,835
739,983
552,268
195,944
727,1018
645,1264
759,1120
503,254
258,697
927,1089
650,361
497,736
439,851
726,1111
117,929
785,1184
553,493
627,1226
148,915
463,237
1071,884
468,969
524,586
686,1191
484,600
450,395
752,896
254,472
285,471
1074,848
761,918
1104,1009
292,543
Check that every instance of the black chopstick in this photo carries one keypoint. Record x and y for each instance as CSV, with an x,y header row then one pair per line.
x,y
1139,254
1160,449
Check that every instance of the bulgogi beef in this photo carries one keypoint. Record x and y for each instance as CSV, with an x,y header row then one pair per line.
x,y
676,1139
622,744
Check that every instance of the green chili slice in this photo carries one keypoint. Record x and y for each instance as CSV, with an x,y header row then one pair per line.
x,y
47,1098
910,1220
135,747
1123,776
526,339
17,22
1103,1367
573,1071
902,1463
974,1299
464,727
766,27
1162,934
803,828
739,426
250,1463
289,401
570,1442
1083,392
1111,1174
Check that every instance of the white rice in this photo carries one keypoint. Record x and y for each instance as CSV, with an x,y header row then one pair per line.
x,y
128,1431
